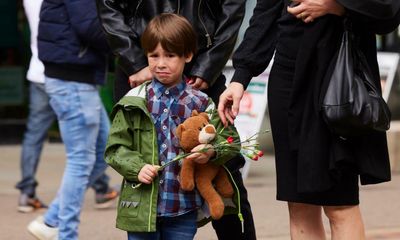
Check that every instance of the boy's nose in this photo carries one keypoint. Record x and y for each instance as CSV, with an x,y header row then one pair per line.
x,y
161,63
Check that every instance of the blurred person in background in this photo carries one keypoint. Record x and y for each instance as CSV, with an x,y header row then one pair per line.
x,y
74,51
40,119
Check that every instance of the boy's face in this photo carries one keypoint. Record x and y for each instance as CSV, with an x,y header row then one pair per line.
x,y
167,67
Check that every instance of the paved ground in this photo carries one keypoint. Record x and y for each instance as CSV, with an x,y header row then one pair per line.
x,y
380,204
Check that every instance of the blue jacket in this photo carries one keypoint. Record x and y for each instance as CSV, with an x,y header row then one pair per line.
x,y
71,43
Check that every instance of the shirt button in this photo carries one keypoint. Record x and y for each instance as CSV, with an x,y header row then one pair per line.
x,y
164,127
161,181
166,92
162,163
164,145
165,110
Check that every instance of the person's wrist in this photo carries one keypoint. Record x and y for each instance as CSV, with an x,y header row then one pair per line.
x,y
338,9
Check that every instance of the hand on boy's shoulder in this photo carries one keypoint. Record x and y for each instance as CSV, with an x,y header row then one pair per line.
x,y
140,77
197,83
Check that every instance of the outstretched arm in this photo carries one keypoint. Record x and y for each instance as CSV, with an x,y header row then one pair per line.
x,y
252,56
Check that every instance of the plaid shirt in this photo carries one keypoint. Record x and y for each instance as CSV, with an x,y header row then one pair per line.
x,y
169,107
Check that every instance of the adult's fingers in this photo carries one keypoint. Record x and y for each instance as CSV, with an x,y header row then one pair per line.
x,y
296,10
204,85
229,115
235,104
221,108
308,19
197,83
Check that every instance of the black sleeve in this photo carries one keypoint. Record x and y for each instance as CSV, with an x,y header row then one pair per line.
x,y
208,64
377,16
124,42
256,50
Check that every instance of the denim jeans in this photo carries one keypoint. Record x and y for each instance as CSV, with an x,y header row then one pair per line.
x,y
41,117
84,127
182,227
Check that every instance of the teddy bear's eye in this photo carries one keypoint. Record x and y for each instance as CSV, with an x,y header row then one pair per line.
x,y
204,124
200,128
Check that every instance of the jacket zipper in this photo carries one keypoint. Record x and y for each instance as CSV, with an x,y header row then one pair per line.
x,y
82,51
152,184
179,6
137,8
209,42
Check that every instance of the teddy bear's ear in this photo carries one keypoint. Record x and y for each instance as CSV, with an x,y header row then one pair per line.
x,y
195,113
179,131
205,115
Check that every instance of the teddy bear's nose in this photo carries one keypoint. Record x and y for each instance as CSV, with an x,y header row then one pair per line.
x,y
209,129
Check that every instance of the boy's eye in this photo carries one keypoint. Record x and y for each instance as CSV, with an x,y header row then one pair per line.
x,y
153,55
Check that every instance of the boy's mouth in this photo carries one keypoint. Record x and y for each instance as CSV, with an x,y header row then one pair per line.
x,y
162,73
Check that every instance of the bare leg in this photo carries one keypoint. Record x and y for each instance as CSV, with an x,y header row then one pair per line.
x,y
345,222
306,222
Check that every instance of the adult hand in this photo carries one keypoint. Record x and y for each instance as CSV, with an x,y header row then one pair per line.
x,y
198,83
147,173
201,157
140,77
309,10
228,107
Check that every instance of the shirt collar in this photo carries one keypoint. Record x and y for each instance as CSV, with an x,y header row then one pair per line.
x,y
172,92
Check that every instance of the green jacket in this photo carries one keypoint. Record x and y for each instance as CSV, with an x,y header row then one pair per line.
x,y
132,143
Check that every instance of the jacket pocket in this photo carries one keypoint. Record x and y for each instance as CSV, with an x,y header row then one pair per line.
x,y
130,200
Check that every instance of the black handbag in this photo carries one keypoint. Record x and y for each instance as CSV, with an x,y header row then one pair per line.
x,y
352,104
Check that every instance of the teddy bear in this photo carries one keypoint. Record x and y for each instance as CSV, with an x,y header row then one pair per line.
x,y
211,180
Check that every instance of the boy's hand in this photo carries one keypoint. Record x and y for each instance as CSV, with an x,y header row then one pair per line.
x,y
148,173
201,157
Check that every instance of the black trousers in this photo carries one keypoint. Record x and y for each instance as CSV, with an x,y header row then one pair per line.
x,y
228,227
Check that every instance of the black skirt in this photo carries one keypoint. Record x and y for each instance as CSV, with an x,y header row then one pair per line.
x,y
344,192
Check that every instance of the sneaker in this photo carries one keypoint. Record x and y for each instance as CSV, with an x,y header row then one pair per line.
x,y
106,200
41,231
28,204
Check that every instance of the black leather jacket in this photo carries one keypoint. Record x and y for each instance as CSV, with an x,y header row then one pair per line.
x,y
217,23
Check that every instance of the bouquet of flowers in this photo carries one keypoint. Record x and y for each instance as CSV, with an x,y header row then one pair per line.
x,y
248,147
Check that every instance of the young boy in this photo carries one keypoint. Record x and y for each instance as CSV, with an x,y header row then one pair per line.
x,y
152,205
